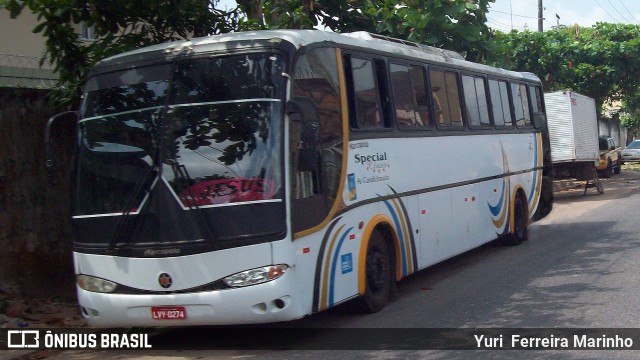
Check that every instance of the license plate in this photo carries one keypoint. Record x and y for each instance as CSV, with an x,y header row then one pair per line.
x,y
168,313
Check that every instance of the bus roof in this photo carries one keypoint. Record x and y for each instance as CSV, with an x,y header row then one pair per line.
x,y
302,38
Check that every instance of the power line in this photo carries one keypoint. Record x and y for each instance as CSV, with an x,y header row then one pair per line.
x,y
550,23
616,9
625,7
505,26
523,16
605,10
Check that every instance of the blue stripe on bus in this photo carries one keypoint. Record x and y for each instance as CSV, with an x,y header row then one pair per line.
x,y
334,263
495,210
405,270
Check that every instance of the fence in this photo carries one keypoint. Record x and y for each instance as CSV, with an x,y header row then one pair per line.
x,y
21,71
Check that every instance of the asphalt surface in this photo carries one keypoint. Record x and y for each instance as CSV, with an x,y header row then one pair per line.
x,y
577,270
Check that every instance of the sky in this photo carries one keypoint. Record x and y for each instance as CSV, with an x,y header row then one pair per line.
x,y
506,15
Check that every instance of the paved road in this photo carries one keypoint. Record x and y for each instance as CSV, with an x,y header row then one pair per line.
x,y
579,270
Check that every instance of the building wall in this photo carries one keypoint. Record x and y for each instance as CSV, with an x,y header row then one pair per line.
x,y
21,51
612,129
17,35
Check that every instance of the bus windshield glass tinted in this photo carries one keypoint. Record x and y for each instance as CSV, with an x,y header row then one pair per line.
x,y
209,129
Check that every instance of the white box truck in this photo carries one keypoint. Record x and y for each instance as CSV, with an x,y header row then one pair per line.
x,y
573,127
573,134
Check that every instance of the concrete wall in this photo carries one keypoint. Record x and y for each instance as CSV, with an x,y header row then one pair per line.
x,y
20,53
612,128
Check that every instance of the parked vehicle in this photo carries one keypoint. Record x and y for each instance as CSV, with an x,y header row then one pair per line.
x,y
632,152
610,157
264,176
573,127
573,134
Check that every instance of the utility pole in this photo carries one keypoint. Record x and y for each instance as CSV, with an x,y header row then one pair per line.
x,y
511,12
540,18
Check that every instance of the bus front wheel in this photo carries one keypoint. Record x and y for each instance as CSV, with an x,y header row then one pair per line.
x,y
378,275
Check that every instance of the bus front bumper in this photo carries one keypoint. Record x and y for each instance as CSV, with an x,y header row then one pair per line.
x,y
269,302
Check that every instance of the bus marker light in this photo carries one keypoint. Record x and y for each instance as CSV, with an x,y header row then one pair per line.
x,y
352,237
361,225
275,272
306,250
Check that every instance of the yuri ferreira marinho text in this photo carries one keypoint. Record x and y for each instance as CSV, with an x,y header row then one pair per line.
x,y
515,341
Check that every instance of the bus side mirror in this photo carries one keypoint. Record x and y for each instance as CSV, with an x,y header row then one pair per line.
x,y
48,142
302,110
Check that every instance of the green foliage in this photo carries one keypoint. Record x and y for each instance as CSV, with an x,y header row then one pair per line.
x,y
598,61
455,25
122,25
630,121
451,24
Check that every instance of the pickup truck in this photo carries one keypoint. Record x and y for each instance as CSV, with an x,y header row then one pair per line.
x,y
610,157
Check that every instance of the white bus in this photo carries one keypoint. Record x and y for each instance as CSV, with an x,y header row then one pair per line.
x,y
265,176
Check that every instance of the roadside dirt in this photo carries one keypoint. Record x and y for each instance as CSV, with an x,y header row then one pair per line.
x,y
20,311
628,177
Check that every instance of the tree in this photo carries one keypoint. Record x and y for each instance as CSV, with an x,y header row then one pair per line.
x,y
632,123
598,61
122,25
451,24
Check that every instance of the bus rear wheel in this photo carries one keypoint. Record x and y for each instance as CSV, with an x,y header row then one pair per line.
x,y
378,275
520,231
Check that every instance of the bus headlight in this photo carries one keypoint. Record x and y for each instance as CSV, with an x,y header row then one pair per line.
x,y
256,276
91,283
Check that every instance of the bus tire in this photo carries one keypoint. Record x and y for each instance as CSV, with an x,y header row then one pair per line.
x,y
379,281
520,230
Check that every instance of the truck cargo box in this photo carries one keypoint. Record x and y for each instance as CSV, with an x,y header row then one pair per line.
x,y
573,127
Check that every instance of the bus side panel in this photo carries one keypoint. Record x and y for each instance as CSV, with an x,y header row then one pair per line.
x,y
457,204
337,257
435,225
526,163
339,273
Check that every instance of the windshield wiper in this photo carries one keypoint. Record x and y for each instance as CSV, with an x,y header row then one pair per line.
x,y
140,185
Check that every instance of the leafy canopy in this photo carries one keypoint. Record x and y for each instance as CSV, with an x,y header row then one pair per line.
x,y
601,61
122,25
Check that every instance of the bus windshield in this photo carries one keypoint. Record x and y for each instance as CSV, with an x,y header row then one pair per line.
x,y
207,129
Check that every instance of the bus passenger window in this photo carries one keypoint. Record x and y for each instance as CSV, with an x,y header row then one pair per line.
x,y
500,103
521,104
535,95
366,95
409,96
476,101
446,98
